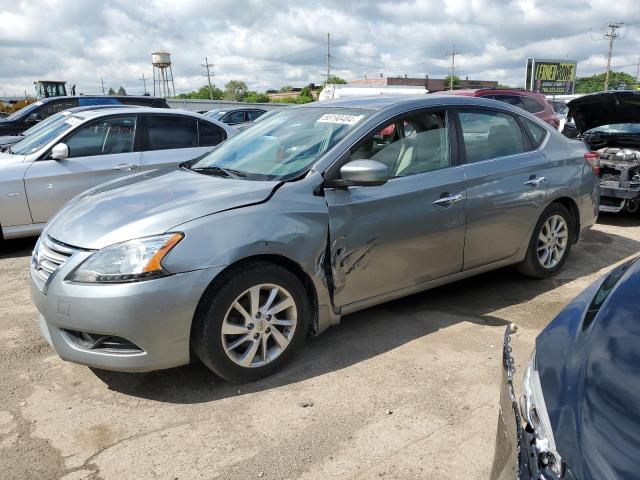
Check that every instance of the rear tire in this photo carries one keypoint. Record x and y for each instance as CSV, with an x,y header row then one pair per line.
x,y
251,322
550,243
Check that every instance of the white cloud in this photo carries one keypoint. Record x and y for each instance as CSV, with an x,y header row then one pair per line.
x,y
272,43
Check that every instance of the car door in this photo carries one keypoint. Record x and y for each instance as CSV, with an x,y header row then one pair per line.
x,y
409,230
506,184
172,139
99,151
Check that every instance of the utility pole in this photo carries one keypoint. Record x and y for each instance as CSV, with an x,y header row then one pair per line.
x,y
637,73
207,65
102,84
452,69
328,56
611,32
144,81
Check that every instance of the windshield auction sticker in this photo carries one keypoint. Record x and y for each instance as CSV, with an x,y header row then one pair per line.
x,y
340,118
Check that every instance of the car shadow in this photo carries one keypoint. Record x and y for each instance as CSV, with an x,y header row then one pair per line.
x,y
377,330
18,247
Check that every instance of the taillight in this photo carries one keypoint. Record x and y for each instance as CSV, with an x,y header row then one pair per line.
x,y
593,159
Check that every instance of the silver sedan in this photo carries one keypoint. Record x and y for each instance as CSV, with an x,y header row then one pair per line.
x,y
319,211
82,149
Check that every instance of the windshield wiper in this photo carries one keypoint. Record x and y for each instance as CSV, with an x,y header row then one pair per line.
x,y
215,170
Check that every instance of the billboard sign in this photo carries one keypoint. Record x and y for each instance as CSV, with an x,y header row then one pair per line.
x,y
551,77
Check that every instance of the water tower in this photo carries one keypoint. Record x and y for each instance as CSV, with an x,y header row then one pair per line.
x,y
162,74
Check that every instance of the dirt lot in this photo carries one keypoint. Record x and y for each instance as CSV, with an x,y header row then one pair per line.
x,y
405,390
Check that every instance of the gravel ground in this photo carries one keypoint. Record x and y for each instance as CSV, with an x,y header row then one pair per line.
x,y
405,390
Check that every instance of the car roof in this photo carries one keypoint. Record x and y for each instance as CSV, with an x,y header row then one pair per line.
x,y
103,112
137,97
382,102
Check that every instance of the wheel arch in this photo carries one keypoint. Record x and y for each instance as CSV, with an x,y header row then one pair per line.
x,y
571,205
275,259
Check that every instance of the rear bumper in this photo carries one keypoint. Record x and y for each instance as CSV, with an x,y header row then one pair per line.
x,y
511,457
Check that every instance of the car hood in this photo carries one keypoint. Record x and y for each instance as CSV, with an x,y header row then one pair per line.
x,y
604,108
590,375
10,159
148,204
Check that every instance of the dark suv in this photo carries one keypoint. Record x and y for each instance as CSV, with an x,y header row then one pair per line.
x,y
532,102
31,114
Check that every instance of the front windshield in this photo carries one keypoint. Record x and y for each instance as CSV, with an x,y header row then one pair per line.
x,y
23,111
617,128
216,114
284,145
58,117
33,142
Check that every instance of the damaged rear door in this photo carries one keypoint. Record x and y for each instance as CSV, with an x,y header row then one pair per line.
x,y
409,230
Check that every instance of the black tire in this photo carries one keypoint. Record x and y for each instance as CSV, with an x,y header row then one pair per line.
x,y
531,265
207,341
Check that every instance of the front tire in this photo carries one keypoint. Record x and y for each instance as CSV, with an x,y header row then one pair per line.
x,y
251,322
550,243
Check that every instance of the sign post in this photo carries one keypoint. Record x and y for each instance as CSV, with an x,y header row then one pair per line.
x,y
551,77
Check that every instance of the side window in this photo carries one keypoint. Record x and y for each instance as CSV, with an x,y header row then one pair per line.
x,y
234,117
109,136
210,135
166,132
56,106
489,134
510,99
531,105
537,132
253,114
415,144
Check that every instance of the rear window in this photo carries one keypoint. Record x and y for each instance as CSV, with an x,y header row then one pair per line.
x,y
210,135
166,132
537,133
532,105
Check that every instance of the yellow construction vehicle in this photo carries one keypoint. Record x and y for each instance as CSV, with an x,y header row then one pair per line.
x,y
44,89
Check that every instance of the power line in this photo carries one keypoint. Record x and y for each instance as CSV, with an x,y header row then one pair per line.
x,y
452,69
610,32
208,75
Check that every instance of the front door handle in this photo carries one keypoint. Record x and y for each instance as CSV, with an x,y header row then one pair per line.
x,y
535,182
125,166
448,200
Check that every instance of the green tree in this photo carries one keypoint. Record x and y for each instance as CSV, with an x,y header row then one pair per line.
x,y
122,91
203,93
456,81
335,80
111,91
286,88
255,97
235,90
595,83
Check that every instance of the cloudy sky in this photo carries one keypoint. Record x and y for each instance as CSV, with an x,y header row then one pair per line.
x,y
273,43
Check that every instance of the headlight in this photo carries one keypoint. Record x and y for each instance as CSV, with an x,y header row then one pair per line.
x,y
130,261
535,412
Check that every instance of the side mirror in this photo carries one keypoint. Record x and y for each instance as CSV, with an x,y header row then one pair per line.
x,y
34,118
364,173
60,151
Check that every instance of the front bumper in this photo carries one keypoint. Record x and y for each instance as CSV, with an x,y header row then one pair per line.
x,y
154,315
511,457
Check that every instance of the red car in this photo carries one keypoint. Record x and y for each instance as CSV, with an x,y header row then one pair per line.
x,y
532,102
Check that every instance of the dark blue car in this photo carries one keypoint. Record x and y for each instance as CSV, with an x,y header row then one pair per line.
x,y
579,416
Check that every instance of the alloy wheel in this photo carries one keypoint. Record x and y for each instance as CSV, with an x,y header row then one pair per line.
x,y
259,325
552,241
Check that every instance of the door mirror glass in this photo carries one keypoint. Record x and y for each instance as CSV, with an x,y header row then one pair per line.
x,y
364,173
60,151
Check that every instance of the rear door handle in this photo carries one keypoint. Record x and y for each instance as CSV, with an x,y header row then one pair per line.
x,y
125,166
448,200
535,182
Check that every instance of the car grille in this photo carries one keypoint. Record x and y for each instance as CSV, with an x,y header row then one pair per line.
x,y
49,256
